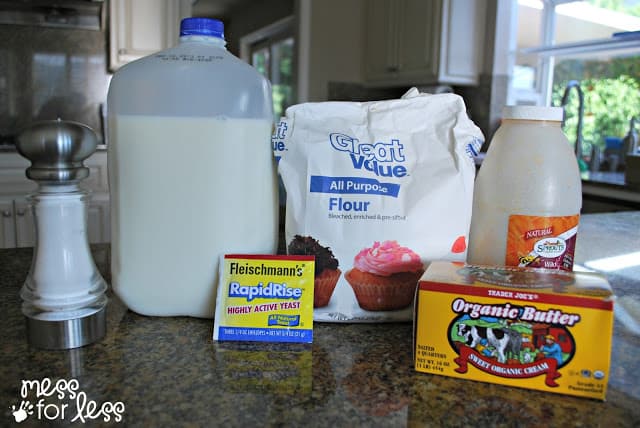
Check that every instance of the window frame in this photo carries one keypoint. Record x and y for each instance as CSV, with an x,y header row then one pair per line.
x,y
548,50
266,38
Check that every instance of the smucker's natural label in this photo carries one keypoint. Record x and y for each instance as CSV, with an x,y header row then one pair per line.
x,y
265,298
546,242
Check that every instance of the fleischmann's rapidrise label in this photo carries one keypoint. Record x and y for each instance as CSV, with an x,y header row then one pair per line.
x,y
265,298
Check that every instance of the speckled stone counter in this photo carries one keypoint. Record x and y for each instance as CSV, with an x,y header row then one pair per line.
x,y
167,371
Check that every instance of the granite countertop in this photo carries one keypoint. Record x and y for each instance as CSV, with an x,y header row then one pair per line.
x,y
168,372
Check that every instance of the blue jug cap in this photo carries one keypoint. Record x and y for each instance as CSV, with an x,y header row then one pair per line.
x,y
202,27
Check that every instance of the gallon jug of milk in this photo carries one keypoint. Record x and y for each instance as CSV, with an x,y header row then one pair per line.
x,y
527,196
191,171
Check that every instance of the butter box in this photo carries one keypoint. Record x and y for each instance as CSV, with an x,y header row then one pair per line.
x,y
523,327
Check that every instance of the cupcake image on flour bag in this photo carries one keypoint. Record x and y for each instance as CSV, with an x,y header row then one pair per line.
x,y
326,267
383,187
384,277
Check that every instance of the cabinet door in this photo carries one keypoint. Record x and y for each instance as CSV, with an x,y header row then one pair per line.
x,y
420,42
380,58
418,32
98,180
99,226
13,180
7,224
25,225
141,27
461,51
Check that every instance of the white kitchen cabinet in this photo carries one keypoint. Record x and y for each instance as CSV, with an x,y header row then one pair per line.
x,y
98,222
17,227
139,28
7,224
25,225
417,42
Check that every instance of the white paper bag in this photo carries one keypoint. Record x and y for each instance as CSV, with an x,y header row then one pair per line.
x,y
376,190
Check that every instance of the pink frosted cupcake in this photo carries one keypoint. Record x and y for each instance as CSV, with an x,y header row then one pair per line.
x,y
384,277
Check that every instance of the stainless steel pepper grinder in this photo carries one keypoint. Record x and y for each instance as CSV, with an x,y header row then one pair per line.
x,y
64,299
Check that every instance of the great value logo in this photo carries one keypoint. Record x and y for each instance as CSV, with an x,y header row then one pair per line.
x,y
380,158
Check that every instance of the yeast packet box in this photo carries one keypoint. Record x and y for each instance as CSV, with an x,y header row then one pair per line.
x,y
265,298
522,327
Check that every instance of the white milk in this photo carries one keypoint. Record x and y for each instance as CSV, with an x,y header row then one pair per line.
x,y
179,200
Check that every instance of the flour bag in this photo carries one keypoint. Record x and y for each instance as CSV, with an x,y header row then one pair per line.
x,y
375,191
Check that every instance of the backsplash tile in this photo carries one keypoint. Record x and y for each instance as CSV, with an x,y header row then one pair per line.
x,y
348,91
46,73
479,99
485,102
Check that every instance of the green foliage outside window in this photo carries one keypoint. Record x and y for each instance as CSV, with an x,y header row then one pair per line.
x,y
260,63
611,89
618,5
283,90
611,94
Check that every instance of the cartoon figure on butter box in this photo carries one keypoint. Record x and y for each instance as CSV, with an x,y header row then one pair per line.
x,y
485,349
510,347
511,342
551,349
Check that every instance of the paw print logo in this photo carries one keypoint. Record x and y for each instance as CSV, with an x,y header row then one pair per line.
x,y
22,412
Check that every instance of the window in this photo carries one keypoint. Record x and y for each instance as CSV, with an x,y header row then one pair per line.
x,y
595,43
271,51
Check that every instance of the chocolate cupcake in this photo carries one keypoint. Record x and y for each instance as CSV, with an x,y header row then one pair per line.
x,y
326,267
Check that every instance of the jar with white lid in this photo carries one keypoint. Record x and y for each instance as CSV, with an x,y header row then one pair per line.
x,y
527,195
191,171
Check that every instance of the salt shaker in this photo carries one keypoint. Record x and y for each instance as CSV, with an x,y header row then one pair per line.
x,y
64,299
